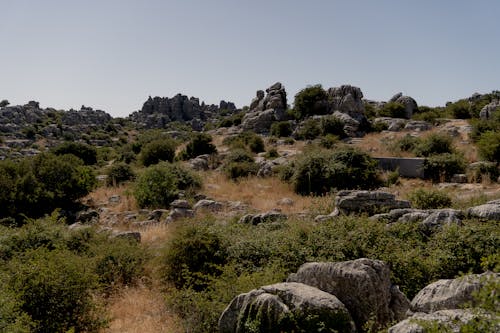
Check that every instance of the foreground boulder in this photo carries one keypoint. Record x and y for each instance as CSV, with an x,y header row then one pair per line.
x,y
285,307
450,293
370,202
488,211
363,285
444,321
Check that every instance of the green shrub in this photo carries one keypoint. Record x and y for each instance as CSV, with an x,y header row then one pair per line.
x,y
193,256
86,153
442,167
239,163
281,129
36,186
328,141
480,126
318,172
309,129
119,173
310,101
460,109
407,143
434,144
429,199
200,144
379,127
160,184
272,153
157,151
489,146
246,140
54,288
393,110
332,125
483,171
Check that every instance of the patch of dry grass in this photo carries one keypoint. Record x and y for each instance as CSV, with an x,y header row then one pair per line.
x,y
101,195
260,193
141,310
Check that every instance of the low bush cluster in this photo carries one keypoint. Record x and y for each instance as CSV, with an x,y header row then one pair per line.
x,y
157,151
160,184
429,199
119,173
50,276
200,144
36,186
239,163
246,140
319,171
393,110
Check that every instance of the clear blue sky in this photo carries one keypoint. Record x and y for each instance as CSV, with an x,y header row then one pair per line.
x,y
113,54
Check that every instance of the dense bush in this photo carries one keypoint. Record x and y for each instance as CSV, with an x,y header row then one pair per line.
x,y
86,153
193,257
318,172
429,199
407,143
442,167
434,144
281,129
257,256
51,276
119,173
393,110
460,109
200,144
239,163
157,151
160,184
309,129
310,101
36,186
489,146
246,140
332,125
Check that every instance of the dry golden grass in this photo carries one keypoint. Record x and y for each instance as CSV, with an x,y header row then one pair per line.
x,y
141,310
260,193
101,195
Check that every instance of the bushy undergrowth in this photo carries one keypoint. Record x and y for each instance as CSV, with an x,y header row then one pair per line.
x,y
254,256
119,173
320,171
157,151
50,276
429,199
88,154
239,163
246,140
434,144
393,110
38,185
160,184
200,144
442,167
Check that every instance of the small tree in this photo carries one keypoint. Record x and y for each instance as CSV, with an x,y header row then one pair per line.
x,y
4,103
310,101
158,150
85,152
489,146
393,110
200,144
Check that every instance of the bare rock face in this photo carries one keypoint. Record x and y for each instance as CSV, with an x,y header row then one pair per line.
x,y
285,307
367,202
347,99
450,293
447,320
488,211
409,103
363,285
488,110
267,217
266,109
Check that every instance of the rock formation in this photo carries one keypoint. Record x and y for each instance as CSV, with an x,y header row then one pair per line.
x,y
409,103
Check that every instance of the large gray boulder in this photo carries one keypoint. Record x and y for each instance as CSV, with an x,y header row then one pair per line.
x,y
347,99
363,285
267,217
409,103
370,202
440,217
264,110
285,307
488,211
450,293
488,110
446,321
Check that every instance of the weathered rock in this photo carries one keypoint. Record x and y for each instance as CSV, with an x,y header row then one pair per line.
x,y
409,103
347,99
270,307
445,319
393,124
268,217
199,163
488,211
441,217
210,205
367,202
157,214
450,293
115,199
488,110
460,178
417,125
179,203
87,216
285,202
351,125
264,110
179,213
363,285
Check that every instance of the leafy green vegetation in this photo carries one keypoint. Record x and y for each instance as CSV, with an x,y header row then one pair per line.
x,y
200,144
429,199
157,151
86,153
310,101
393,110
